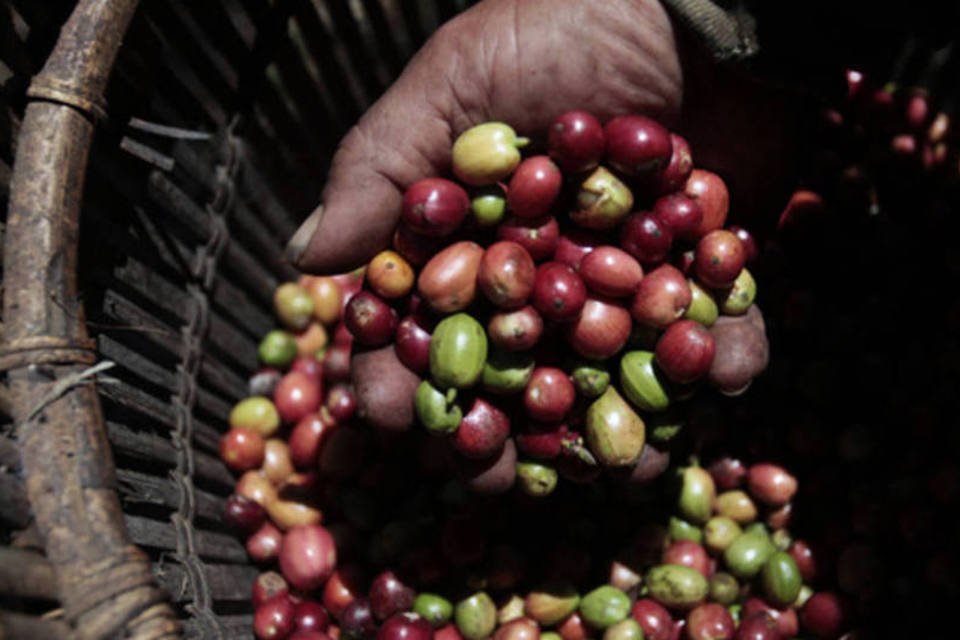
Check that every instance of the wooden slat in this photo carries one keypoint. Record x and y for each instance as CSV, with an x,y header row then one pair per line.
x,y
227,582
393,45
196,163
362,66
182,68
234,302
235,627
309,106
187,59
136,364
335,70
197,44
137,487
283,166
144,404
244,269
222,335
254,188
254,233
159,263
149,447
131,225
165,97
128,314
161,535
218,28
151,286
231,343
215,407
175,202
237,259
244,25
215,375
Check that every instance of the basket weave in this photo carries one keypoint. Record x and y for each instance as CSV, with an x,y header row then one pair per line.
x,y
213,135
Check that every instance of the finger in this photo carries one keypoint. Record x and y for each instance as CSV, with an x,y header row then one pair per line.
x,y
404,137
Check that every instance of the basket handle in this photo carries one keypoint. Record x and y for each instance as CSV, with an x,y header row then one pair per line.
x,y
105,583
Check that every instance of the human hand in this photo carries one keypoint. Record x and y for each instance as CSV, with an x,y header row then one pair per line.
x,y
524,62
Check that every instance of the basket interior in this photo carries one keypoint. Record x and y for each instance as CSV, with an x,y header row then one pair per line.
x,y
287,78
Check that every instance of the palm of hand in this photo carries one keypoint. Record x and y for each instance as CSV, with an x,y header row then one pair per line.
x,y
518,61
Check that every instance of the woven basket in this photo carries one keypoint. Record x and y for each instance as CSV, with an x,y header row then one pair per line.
x,y
215,122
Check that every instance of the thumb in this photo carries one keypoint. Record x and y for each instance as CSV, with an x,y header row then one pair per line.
x,y
406,136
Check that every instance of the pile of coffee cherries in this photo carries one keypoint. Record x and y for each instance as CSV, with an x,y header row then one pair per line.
x,y
355,544
291,441
543,315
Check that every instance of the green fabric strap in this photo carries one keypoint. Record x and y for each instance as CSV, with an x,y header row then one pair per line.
x,y
729,34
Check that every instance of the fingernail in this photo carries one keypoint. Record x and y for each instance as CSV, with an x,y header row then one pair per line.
x,y
298,243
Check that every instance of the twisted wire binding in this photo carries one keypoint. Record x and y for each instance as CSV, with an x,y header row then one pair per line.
x,y
202,271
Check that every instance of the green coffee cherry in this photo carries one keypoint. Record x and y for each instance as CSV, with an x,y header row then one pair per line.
x,y
256,413
703,308
680,529
536,479
437,411
590,381
748,553
736,612
737,505
476,616
664,427
697,492
512,610
604,607
293,306
435,609
724,588
277,349
550,604
781,579
458,351
805,592
628,629
489,205
781,539
677,586
719,533
738,299
614,432
641,382
506,373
